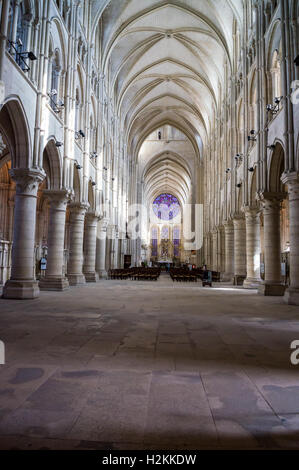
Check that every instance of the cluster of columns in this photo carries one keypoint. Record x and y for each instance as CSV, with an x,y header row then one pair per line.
x,y
242,244
87,244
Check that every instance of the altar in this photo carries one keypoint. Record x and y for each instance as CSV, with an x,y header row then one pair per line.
x,y
164,264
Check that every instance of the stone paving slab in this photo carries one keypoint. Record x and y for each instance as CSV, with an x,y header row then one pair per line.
x,y
132,365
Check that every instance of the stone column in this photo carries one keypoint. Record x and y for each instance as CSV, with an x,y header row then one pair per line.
x,y
210,251
239,250
55,278
101,249
229,251
75,262
253,247
22,283
115,250
121,250
272,285
221,249
90,244
214,250
110,247
292,293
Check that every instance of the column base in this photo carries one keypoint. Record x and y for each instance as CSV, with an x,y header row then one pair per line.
x,y
20,290
291,296
271,289
238,280
251,283
91,277
103,274
54,283
76,279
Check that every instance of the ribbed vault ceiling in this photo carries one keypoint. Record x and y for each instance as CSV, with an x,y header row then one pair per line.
x,y
167,173
166,63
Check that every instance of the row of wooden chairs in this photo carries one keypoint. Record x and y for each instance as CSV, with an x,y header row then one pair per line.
x,y
138,274
186,275
199,273
182,275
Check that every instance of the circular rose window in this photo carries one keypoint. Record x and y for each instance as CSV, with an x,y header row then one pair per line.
x,y
166,206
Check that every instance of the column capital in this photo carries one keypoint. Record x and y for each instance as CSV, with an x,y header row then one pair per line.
x,y
238,219
103,224
93,215
271,205
27,180
228,223
251,211
58,198
92,218
264,196
291,179
78,207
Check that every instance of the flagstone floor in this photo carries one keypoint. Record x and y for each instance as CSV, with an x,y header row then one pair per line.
x,y
149,365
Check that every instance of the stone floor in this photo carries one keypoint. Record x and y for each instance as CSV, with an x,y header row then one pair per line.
x,y
133,365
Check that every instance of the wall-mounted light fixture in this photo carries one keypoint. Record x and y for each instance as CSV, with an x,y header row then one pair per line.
x,y
58,144
21,56
239,185
227,170
252,136
77,165
93,183
57,107
274,108
79,135
251,169
271,147
296,61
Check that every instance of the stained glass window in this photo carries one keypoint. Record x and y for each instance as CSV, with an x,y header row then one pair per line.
x,y
154,241
176,242
166,206
165,233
